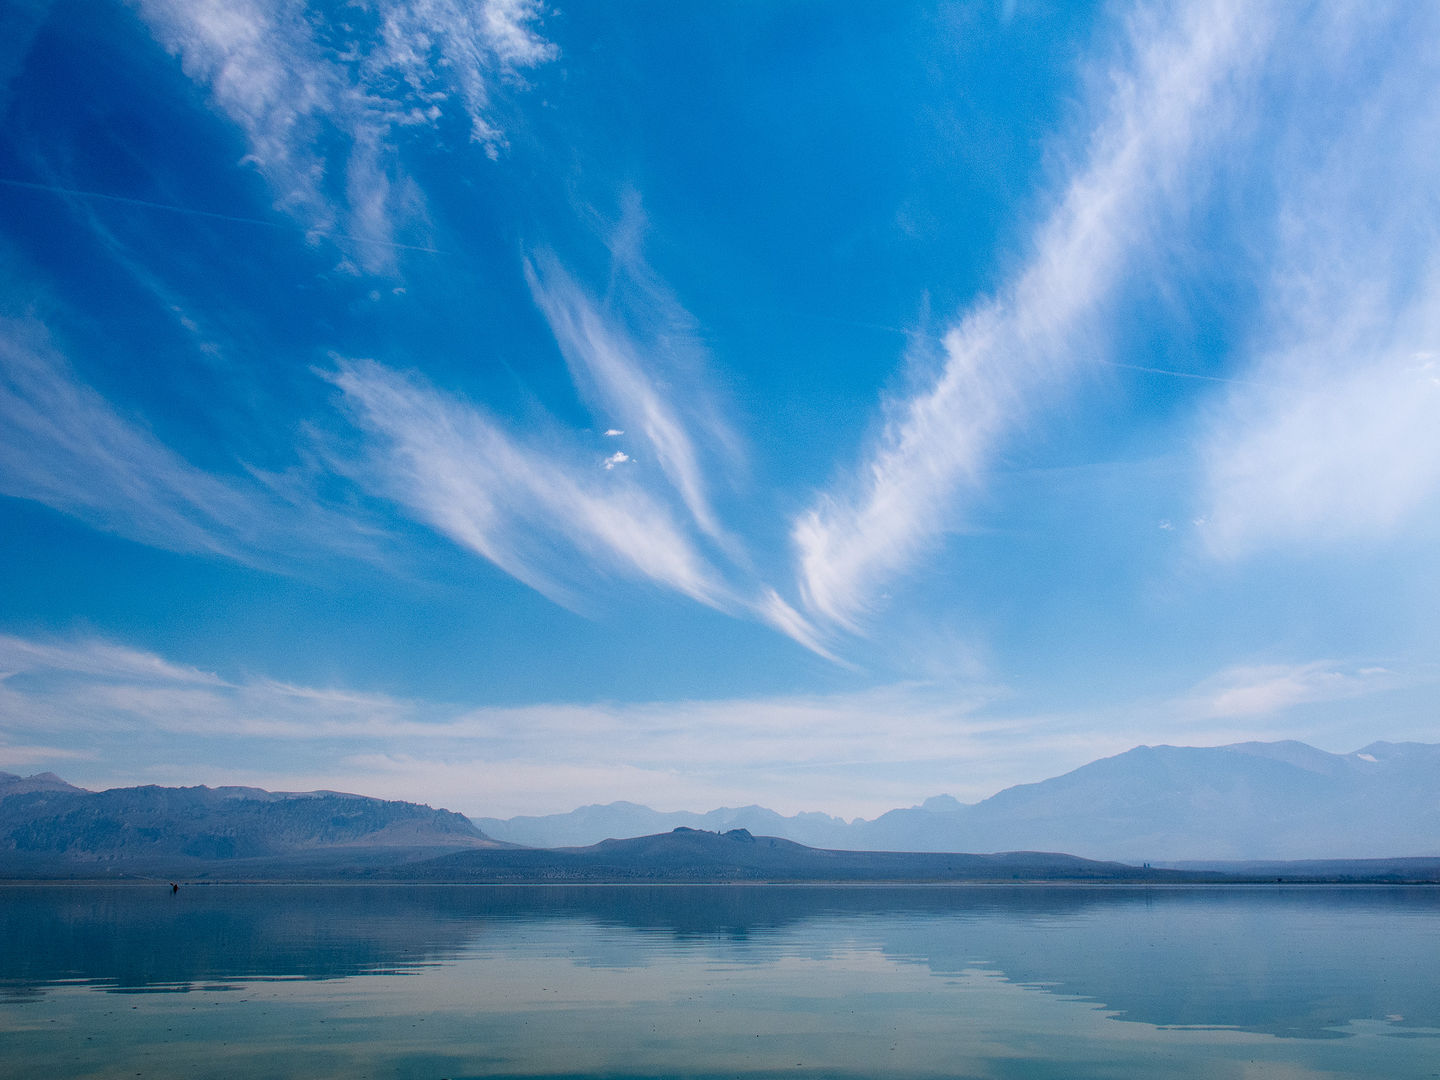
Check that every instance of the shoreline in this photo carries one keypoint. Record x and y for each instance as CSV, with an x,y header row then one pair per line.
x,y
297,883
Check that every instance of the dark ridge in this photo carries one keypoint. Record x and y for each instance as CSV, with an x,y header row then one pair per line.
x,y
51,828
692,855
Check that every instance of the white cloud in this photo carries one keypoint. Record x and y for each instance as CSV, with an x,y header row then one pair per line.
x,y
13,756
64,445
773,609
95,658
527,510
268,75
1335,436
1264,690
622,379
531,511
610,433
291,88
432,43
1014,353
507,29
143,718
540,516
791,752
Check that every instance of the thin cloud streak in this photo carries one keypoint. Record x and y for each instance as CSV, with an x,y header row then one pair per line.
x,y
1013,354
607,368
190,211
1264,690
553,522
64,445
527,510
775,611
622,380
95,658
15,756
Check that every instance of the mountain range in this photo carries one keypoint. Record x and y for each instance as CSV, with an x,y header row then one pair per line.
x,y
1161,804
1196,808
51,829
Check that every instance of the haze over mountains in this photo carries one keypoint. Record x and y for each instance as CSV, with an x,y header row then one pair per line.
x,y
1282,800
1159,805
50,829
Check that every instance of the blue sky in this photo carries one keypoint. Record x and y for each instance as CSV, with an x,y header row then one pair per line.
x,y
512,407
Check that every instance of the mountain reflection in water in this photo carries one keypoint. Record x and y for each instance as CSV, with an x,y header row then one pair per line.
x,y
1288,961
733,981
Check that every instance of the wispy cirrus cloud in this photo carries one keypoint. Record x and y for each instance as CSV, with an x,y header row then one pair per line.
x,y
88,687
641,365
322,94
324,101
622,379
545,516
549,520
1014,353
95,658
1334,436
775,611
63,444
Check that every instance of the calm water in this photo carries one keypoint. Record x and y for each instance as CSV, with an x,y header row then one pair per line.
x,y
434,982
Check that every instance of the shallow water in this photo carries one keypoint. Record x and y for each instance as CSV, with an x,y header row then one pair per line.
x,y
737,981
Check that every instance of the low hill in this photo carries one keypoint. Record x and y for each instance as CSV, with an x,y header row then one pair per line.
x,y
591,824
692,855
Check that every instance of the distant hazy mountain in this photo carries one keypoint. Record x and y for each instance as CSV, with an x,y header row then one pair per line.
x,y
1160,804
49,829
1164,803
1282,800
46,824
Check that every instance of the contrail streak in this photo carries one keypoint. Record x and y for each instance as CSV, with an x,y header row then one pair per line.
x,y
936,339
55,189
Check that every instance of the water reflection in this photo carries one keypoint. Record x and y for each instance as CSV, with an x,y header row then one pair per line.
x,y
1288,961
700,968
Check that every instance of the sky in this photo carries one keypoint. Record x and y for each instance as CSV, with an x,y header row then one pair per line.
x,y
512,406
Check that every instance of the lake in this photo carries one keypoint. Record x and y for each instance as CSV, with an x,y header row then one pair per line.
x,y
725,981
